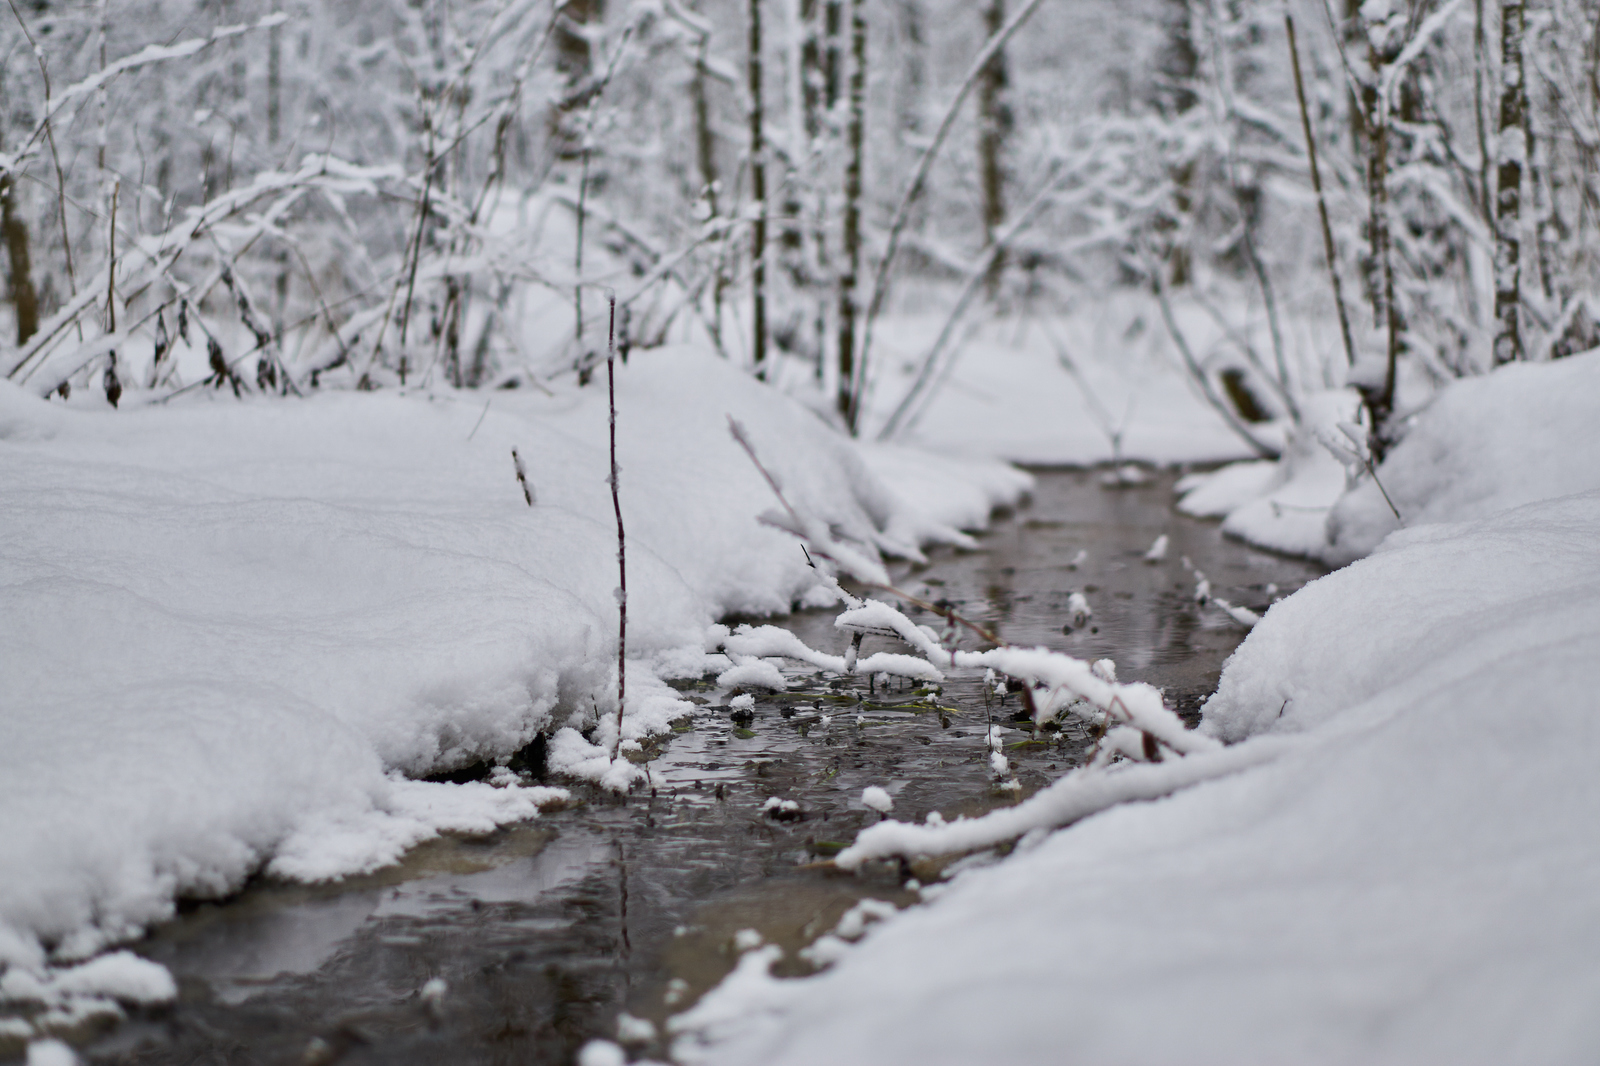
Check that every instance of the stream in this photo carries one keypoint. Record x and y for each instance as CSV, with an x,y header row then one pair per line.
x,y
544,933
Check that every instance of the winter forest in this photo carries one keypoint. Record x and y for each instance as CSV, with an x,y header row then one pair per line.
x,y
790,531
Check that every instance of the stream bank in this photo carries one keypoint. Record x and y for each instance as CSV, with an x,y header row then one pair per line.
x,y
542,934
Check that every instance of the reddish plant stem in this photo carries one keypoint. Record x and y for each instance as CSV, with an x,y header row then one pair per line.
x,y
622,542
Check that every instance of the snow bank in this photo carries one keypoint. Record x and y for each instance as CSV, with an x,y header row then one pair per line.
x,y
230,630
1281,505
1413,876
1416,880
1529,431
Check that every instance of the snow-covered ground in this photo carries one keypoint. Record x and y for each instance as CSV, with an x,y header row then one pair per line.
x,y
1406,870
233,633
1095,386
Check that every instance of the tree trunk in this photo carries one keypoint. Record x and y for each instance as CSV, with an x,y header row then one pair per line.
x,y
811,73
24,298
994,126
1329,251
1379,400
705,137
1510,147
850,376
914,41
758,193
1177,65
705,140
832,16
574,56
274,80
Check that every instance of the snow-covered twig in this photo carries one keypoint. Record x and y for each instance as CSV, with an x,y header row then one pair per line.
x,y
1141,727
1070,799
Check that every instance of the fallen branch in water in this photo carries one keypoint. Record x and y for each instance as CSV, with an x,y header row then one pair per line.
x,y
1074,797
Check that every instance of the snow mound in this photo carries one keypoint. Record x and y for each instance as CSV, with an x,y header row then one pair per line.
x,y
1528,431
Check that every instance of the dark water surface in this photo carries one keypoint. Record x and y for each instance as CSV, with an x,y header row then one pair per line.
x,y
544,933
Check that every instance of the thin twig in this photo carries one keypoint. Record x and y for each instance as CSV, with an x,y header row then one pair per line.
x,y
622,541
1328,248
1197,372
485,414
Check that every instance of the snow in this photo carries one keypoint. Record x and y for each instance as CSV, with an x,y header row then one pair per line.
x,y
1473,452
50,1053
1395,860
602,1053
1008,394
1282,505
234,632
746,642
119,975
875,798
1523,433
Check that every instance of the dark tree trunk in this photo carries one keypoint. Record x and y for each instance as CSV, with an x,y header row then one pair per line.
x,y
915,65
832,18
1379,400
758,192
24,297
849,379
994,128
1176,66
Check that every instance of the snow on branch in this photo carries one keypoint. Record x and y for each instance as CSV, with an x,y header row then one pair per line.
x,y
1070,799
1134,723
155,53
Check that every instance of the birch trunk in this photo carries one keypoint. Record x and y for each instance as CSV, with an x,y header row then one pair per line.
x,y
1509,149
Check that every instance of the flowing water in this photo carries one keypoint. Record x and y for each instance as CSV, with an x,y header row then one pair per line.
x,y
544,933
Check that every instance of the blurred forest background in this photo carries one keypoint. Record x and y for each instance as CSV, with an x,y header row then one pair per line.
x,y
277,196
